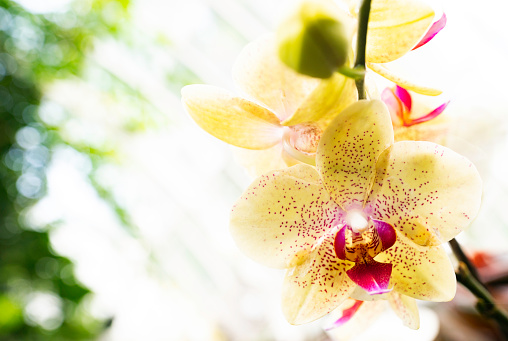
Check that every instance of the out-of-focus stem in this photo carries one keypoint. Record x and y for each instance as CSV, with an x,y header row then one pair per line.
x,y
467,275
361,44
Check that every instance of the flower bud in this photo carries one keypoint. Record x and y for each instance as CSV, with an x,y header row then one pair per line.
x,y
315,39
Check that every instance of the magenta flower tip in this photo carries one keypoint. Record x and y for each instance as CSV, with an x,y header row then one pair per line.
x,y
433,30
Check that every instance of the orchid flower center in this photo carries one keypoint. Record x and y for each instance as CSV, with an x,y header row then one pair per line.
x,y
359,241
305,137
300,141
357,221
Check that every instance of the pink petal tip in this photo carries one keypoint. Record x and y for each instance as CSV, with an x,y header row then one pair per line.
x,y
347,314
433,30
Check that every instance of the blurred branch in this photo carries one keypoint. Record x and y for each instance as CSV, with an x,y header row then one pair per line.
x,y
467,275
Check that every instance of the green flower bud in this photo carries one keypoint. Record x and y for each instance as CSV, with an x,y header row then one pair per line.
x,y
315,39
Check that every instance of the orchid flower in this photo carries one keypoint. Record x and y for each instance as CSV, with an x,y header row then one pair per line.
x,y
368,220
395,28
283,114
423,127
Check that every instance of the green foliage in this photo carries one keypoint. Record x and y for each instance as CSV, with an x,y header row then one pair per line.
x,y
35,49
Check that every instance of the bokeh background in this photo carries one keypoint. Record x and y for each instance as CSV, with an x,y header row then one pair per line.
x,y
114,205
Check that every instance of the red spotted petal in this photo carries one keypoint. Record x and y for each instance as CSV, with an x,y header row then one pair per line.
x,y
433,114
347,314
371,276
404,97
434,29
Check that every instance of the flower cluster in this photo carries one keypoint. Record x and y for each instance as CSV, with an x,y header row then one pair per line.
x,y
352,215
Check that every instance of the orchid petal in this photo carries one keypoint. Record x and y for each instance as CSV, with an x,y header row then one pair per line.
x,y
362,319
394,106
258,162
433,30
424,273
329,98
404,97
435,131
317,285
406,309
371,276
231,119
406,84
431,115
264,78
348,150
395,26
426,191
347,314
282,215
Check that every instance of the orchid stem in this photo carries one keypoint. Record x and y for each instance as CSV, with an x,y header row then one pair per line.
x,y
467,275
361,45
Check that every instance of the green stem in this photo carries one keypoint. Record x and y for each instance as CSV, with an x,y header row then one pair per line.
x,y
461,256
361,44
467,276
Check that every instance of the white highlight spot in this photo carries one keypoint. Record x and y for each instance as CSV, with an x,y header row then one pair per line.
x,y
357,220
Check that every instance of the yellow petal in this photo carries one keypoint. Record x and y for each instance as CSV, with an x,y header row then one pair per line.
x,y
258,162
264,78
395,27
348,150
232,119
366,315
426,191
316,286
425,273
281,214
403,82
406,309
329,98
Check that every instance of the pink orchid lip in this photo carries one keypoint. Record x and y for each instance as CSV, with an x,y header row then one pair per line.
x,y
433,30
370,275
347,314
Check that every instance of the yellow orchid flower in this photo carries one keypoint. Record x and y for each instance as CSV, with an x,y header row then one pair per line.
x,y
368,220
395,28
282,115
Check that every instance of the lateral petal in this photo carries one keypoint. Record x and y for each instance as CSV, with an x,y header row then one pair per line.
x,y
258,162
283,214
329,98
231,119
406,309
424,273
317,285
349,148
395,27
403,82
259,72
426,191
